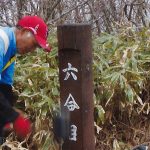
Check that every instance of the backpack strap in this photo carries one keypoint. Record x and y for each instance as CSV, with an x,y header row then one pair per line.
x,y
12,59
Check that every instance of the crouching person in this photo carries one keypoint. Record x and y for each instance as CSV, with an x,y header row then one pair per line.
x,y
30,32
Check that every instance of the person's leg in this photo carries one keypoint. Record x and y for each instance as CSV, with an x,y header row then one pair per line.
x,y
8,93
7,113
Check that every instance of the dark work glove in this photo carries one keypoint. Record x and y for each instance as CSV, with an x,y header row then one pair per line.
x,y
61,125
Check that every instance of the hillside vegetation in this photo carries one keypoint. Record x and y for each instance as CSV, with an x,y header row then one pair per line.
x,y
121,62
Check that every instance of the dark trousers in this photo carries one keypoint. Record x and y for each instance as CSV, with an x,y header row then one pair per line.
x,y
7,113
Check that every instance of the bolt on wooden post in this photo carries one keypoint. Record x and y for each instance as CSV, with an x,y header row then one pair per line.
x,y
76,87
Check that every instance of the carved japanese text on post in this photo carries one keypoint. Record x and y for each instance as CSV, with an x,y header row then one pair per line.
x,y
73,134
71,103
70,72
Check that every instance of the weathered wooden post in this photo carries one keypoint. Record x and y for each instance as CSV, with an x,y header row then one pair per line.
x,y
76,88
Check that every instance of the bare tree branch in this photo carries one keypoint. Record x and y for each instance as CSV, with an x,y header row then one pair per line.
x,y
67,12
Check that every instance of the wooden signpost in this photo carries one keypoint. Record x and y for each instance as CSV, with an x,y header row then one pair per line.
x,y
76,87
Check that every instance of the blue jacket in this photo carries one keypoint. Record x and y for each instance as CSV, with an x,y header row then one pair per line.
x,y
6,76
